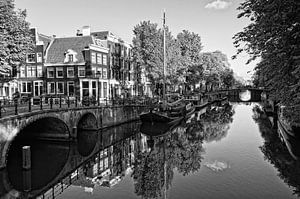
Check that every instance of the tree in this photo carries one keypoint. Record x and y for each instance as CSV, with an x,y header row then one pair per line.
x,y
148,52
190,47
15,38
227,78
274,36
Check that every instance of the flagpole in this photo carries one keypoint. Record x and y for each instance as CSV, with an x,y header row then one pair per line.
x,y
164,56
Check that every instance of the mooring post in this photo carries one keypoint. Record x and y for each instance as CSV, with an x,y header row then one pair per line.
x,y
27,180
26,157
74,133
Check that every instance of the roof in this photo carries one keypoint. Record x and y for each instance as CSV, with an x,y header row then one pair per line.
x,y
56,52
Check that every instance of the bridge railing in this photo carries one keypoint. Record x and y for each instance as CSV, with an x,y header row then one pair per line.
x,y
20,106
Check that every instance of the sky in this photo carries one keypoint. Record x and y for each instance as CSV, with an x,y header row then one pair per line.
x,y
214,20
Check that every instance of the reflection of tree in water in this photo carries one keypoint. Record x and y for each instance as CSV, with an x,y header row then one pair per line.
x,y
176,149
276,152
185,150
148,172
216,122
180,149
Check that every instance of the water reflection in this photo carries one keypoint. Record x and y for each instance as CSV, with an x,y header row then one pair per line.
x,y
278,153
103,159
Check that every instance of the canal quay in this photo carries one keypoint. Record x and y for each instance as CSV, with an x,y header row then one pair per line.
x,y
228,148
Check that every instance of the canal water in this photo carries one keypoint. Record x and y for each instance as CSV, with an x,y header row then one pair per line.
x,y
228,150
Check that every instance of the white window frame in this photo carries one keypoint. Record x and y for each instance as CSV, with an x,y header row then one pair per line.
x,y
63,89
70,69
68,83
48,70
39,57
39,71
104,59
79,69
31,71
27,58
49,87
26,91
59,69
22,71
93,58
104,73
99,58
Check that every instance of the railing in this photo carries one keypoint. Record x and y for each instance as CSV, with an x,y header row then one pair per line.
x,y
16,107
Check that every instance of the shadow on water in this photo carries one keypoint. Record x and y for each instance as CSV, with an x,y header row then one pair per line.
x,y
276,150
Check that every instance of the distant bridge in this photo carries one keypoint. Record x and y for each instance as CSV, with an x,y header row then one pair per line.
x,y
244,94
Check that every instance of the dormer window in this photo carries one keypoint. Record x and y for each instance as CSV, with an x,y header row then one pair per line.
x,y
70,56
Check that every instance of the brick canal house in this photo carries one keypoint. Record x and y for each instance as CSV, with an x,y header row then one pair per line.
x,y
77,66
89,65
31,75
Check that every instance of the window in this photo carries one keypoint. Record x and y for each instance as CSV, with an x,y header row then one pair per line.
x,y
39,57
94,88
81,71
39,71
85,89
22,71
26,87
71,58
59,72
104,73
99,89
50,72
30,58
60,87
99,72
99,58
104,59
104,89
71,89
70,72
31,71
94,69
93,57
51,88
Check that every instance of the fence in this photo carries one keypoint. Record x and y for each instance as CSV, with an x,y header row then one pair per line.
x,y
16,107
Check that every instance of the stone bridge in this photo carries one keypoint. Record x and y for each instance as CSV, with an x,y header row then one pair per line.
x,y
238,94
62,124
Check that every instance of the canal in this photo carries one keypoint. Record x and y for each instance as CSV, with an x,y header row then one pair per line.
x,y
227,150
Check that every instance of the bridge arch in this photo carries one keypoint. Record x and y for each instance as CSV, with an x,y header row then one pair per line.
x,y
87,121
46,128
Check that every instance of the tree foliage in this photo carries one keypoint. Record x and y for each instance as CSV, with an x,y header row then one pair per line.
x,y
15,39
184,61
274,36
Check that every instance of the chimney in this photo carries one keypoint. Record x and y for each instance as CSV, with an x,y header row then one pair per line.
x,y
86,31
78,33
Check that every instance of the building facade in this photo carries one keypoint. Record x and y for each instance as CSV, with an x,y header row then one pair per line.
x,y
77,67
31,75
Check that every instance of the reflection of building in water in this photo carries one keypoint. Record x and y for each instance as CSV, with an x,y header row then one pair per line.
x,y
105,168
